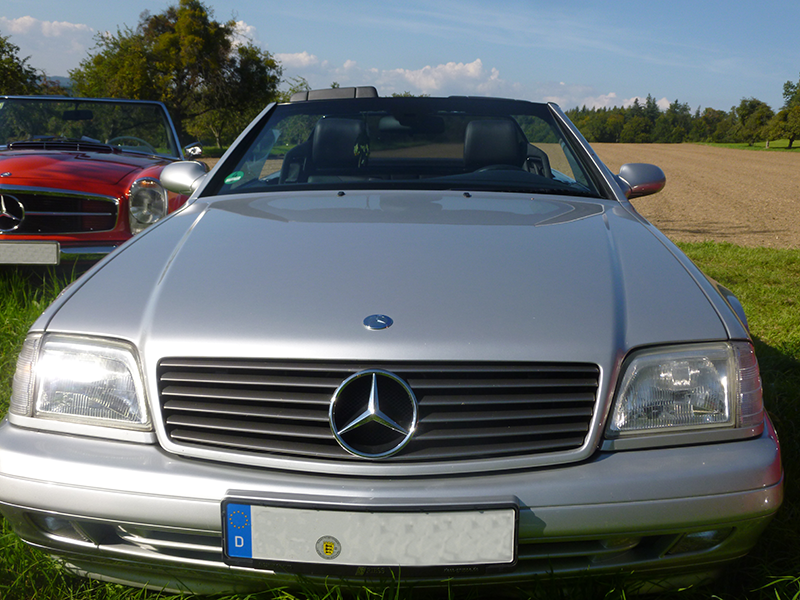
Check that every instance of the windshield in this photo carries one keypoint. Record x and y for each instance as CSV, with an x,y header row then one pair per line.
x,y
39,123
408,143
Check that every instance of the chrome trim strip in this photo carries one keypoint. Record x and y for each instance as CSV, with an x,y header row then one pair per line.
x,y
65,214
58,192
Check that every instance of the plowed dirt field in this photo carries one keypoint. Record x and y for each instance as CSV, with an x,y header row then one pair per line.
x,y
739,196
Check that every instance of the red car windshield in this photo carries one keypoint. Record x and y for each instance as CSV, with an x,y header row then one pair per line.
x,y
55,123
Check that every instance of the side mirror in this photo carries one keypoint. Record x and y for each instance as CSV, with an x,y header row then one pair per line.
x,y
194,150
641,179
183,177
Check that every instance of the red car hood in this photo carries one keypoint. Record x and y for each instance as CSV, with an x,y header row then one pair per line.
x,y
70,170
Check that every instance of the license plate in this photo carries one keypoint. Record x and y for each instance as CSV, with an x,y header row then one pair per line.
x,y
29,253
302,539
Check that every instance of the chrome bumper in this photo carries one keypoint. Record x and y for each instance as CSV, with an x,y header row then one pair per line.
x,y
44,253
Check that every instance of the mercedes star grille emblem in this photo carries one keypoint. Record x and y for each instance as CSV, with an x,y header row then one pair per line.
x,y
373,414
12,213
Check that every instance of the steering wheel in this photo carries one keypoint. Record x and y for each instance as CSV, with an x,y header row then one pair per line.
x,y
139,142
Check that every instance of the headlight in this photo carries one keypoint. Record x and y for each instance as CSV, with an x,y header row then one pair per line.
x,y
148,203
688,388
79,380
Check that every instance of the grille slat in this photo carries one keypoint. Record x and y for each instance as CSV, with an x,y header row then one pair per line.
x,y
460,452
235,379
467,411
433,400
491,384
247,427
257,412
518,431
512,416
261,445
213,393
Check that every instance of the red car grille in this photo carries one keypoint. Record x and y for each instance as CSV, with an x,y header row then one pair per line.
x,y
52,212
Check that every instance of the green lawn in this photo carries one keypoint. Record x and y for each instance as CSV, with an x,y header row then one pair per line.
x,y
767,282
776,145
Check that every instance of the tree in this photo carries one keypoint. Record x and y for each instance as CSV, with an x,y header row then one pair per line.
x,y
186,59
752,118
16,77
296,84
791,94
614,125
673,125
651,110
704,125
786,124
636,130
220,124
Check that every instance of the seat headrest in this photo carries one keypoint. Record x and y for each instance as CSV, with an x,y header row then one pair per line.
x,y
492,142
338,143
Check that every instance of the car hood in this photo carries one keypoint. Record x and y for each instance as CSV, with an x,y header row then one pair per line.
x,y
69,170
463,276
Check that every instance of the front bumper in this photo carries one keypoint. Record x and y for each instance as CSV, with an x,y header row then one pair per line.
x,y
132,513
42,253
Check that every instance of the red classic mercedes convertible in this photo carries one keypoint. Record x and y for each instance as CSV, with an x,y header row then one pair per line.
x,y
80,176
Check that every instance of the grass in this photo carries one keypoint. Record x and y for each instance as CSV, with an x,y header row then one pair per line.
x,y
774,145
767,283
23,296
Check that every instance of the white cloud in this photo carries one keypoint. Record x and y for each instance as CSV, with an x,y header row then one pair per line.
x,y
446,79
243,33
22,25
434,79
452,78
299,60
54,47
51,29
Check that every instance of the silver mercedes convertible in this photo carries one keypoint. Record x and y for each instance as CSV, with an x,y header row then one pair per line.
x,y
421,340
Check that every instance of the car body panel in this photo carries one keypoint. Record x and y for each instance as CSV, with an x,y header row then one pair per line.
x,y
274,260
340,290
69,170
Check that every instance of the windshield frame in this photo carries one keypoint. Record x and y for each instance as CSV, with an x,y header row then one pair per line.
x,y
83,107
473,108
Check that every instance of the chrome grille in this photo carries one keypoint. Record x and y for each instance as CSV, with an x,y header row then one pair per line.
x,y
49,212
467,410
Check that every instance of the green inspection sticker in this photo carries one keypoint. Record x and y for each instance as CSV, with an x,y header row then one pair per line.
x,y
234,177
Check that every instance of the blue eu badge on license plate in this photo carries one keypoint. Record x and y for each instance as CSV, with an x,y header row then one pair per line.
x,y
239,525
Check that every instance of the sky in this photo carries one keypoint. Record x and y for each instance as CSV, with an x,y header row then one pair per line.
x,y
705,53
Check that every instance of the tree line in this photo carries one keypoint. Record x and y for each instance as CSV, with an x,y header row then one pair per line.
x,y
215,83
644,122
